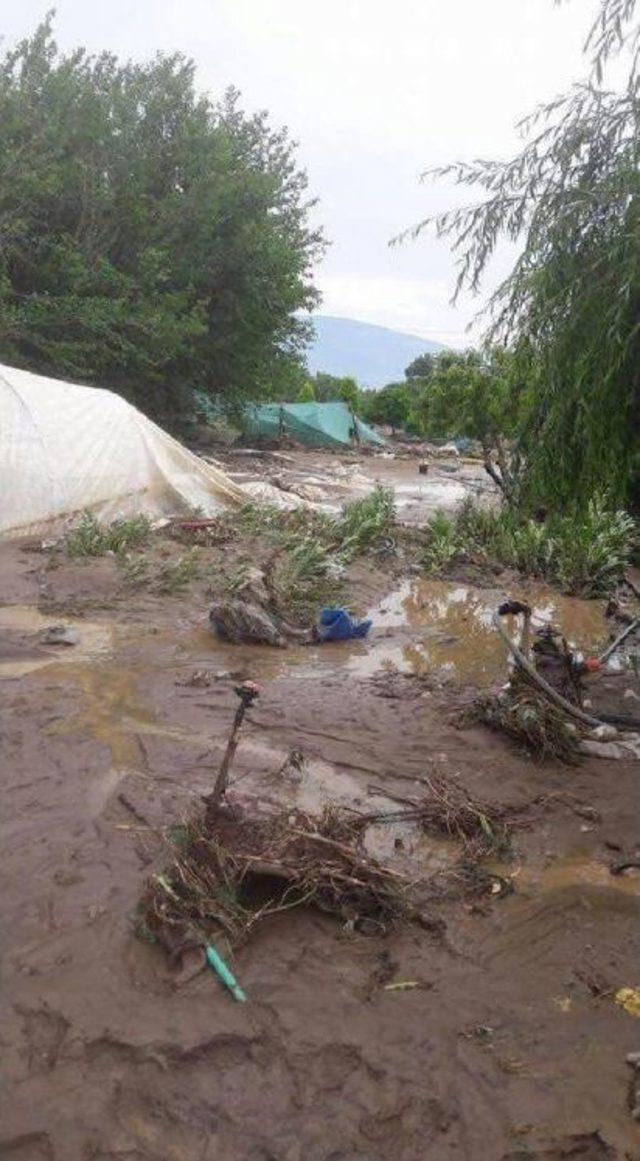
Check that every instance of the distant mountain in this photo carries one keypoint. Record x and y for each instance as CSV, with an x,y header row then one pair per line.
x,y
373,355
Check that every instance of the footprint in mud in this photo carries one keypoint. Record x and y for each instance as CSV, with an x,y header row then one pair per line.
x,y
44,1032
28,1147
582,1146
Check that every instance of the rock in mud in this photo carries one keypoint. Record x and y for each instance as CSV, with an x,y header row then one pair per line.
x,y
242,623
60,635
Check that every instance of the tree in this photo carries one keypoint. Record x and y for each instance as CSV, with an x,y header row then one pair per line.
x,y
150,240
389,406
420,368
348,392
571,306
307,393
329,387
476,395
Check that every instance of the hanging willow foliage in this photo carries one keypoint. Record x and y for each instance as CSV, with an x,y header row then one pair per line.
x,y
570,308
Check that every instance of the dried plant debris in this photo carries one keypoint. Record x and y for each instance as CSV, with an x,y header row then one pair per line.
x,y
446,809
226,874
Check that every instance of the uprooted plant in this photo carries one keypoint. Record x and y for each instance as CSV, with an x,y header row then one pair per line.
x,y
227,869
226,872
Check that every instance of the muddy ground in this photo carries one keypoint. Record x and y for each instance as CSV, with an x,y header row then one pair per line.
x,y
511,1046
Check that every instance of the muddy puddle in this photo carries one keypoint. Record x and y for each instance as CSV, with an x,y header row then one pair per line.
x,y
444,487
426,626
22,650
578,871
436,626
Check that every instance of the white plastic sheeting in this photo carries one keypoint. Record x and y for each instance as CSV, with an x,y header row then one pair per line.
x,y
65,448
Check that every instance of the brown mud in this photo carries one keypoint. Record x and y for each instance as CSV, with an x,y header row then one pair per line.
x,y
511,1045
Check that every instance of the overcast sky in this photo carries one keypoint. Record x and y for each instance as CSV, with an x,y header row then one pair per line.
x,y
375,91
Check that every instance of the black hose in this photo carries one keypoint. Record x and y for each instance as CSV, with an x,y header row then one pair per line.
x,y
623,720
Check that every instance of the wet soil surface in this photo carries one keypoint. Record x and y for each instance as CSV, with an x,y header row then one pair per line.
x,y
329,479
510,1046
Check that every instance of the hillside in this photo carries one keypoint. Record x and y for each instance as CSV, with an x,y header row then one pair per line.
x,y
371,354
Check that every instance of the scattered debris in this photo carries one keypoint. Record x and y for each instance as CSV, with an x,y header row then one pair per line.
x,y
336,624
217,964
448,809
625,748
292,768
629,999
527,716
259,491
199,679
625,865
227,873
633,1058
393,683
542,703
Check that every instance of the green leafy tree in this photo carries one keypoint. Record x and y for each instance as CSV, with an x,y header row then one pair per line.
x,y
420,368
476,395
389,406
349,393
307,393
571,305
150,240
329,387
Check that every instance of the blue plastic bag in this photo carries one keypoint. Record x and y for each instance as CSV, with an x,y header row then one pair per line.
x,y
339,625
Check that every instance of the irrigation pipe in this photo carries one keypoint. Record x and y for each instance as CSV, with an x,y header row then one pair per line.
x,y
618,641
551,693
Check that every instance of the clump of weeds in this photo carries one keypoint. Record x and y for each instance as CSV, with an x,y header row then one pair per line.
x,y
91,538
586,553
135,570
175,575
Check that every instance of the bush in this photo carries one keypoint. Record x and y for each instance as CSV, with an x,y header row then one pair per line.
x,y
586,554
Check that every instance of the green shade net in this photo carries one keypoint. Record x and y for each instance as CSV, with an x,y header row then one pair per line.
x,y
314,424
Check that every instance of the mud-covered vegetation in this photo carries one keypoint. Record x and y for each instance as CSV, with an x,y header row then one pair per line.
x,y
303,555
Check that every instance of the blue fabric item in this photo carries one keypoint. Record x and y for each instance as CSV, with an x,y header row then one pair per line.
x,y
339,625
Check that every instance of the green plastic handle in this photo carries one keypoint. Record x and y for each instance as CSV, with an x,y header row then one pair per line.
x,y
216,962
